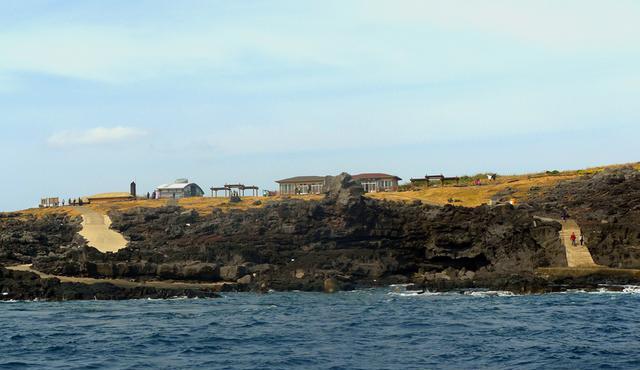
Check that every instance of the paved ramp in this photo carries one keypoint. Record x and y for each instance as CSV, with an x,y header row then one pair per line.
x,y
578,255
96,229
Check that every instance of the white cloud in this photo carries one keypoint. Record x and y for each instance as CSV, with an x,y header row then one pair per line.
x,y
497,111
567,26
118,55
97,135
396,39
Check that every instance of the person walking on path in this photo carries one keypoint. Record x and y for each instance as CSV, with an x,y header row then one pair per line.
x,y
581,239
573,239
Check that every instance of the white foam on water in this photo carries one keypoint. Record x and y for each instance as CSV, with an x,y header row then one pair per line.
x,y
626,289
414,293
631,289
400,285
489,293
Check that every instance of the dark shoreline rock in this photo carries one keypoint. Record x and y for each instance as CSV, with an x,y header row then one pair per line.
x,y
297,245
606,205
26,237
22,285
534,284
352,241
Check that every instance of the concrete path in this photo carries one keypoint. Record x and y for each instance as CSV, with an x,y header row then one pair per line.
x,y
96,229
578,255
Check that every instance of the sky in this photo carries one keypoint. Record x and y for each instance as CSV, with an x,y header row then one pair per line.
x,y
95,94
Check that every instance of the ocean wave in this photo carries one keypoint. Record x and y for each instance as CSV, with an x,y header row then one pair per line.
x,y
400,285
414,293
382,329
489,293
613,289
631,289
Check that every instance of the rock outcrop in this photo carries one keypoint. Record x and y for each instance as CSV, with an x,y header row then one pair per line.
x,y
346,240
607,207
25,237
22,285
295,244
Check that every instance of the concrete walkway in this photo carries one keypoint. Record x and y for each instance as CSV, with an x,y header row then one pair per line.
x,y
96,229
578,255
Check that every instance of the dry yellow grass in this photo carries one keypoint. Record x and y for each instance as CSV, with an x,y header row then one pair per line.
x,y
201,205
42,212
119,194
471,196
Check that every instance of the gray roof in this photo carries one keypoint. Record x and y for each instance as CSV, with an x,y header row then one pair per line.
x,y
177,185
301,179
375,175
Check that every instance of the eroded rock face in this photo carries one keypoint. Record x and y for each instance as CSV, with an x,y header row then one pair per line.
x,y
343,190
607,207
24,237
347,238
21,285
295,244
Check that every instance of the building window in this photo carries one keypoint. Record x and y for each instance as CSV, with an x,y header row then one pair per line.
x,y
370,186
316,188
288,189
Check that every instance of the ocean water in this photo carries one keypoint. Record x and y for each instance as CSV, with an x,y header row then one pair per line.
x,y
370,329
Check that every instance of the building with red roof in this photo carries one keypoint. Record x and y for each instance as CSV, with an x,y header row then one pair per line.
x,y
375,182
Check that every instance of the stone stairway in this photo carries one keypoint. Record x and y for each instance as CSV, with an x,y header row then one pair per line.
x,y
578,255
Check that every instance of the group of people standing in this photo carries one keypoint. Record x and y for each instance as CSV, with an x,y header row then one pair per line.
x,y
574,238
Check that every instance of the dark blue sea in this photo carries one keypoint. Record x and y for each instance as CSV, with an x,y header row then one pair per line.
x,y
371,329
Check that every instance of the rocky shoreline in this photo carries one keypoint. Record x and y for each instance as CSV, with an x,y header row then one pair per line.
x,y
345,241
22,285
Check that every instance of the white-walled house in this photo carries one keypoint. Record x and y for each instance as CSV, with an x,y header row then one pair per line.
x,y
375,182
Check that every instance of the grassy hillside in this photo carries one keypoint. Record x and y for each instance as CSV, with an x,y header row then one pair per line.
x,y
469,195
465,194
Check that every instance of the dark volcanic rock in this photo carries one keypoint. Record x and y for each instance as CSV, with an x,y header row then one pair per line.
x,y
295,244
21,285
232,273
343,190
24,237
607,207
352,240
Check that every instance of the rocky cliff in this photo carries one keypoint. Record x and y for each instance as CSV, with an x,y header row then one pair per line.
x,y
296,244
346,240
22,285
607,207
25,237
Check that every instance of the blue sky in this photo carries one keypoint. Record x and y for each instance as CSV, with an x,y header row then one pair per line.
x,y
94,94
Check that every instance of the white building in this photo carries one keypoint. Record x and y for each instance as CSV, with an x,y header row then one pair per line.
x,y
181,188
